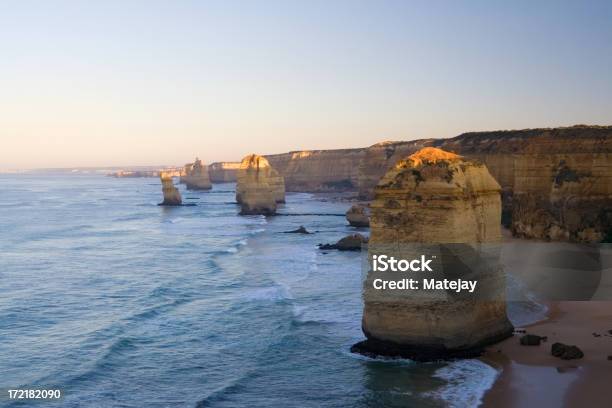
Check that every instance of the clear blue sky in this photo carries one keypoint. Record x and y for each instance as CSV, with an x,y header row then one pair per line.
x,y
130,82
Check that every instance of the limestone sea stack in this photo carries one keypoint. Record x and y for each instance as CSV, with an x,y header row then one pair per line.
x,y
197,178
436,199
171,194
185,173
358,216
259,187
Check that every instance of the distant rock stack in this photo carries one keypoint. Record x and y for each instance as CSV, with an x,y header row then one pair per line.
x,y
171,194
436,199
358,216
186,172
197,178
259,187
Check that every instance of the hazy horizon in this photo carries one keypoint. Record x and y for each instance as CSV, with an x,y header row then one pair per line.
x,y
113,84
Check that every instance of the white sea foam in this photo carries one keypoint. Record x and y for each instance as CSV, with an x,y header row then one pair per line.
x,y
467,382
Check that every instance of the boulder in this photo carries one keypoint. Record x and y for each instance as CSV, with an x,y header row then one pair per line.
x,y
565,352
358,216
440,201
351,242
532,340
259,187
172,196
197,178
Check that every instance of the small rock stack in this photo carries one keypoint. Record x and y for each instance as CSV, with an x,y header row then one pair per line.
x,y
196,177
171,194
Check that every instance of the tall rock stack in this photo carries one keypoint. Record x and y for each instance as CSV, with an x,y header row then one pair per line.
x,y
259,187
171,194
435,199
197,178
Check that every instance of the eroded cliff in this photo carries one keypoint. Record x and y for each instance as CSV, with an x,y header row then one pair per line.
x,y
223,172
319,170
556,183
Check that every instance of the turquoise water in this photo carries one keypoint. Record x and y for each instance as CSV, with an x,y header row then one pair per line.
x,y
121,303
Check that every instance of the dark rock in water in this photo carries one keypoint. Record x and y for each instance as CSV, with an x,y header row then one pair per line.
x,y
610,358
610,331
565,352
351,242
301,230
596,335
532,340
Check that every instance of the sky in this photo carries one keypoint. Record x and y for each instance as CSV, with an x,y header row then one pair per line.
x,y
103,83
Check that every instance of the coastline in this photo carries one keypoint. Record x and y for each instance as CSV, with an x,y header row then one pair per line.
x,y
531,376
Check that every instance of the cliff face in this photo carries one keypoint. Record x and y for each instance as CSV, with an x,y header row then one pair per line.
x,y
319,170
171,194
556,183
259,187
197,178
441,199
223,172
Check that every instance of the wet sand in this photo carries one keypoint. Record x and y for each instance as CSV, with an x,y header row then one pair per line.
x,y
532,377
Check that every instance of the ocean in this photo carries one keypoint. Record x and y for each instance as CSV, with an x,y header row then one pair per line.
x,y
119,302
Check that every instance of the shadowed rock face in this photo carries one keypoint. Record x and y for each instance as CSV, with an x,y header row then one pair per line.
x,y
441,199
197,178
171,194
259,187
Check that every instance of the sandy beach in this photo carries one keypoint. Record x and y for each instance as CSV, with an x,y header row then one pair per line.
x,y
531,376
